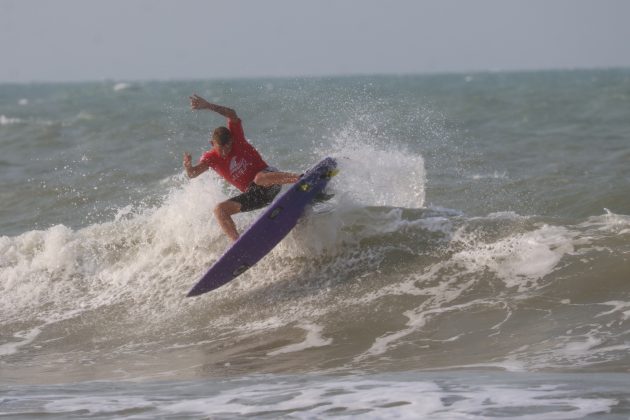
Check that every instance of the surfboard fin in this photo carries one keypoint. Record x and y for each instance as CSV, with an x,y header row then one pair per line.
x,y
322,197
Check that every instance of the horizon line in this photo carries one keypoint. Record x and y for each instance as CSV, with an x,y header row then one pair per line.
x,y
311,76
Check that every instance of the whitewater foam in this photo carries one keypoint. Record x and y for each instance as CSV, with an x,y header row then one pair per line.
x,y
313,339
520,260
4,120
471,395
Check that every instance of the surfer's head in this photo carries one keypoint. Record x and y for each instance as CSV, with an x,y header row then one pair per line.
x,y
221,136
222,140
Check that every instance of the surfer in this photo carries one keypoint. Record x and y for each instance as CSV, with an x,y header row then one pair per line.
x,y
239,163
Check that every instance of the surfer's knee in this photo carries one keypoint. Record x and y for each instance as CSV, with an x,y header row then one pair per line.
x,y
261,179
226,209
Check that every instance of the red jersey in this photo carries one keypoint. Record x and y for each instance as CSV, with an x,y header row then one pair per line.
x,y
243,162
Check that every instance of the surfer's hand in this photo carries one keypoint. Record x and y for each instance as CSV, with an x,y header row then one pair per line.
x,y
187,160
197,102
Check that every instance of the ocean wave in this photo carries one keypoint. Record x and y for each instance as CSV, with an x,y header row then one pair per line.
x,y
456,281
516,269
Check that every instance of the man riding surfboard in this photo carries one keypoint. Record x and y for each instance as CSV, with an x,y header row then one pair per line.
x,y
239,163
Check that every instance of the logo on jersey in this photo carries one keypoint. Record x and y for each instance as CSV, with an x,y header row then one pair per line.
x,y
238,167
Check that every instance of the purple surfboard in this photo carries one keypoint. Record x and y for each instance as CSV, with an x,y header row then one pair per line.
x,y
268,230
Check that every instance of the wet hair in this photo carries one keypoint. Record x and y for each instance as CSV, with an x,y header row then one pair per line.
x,y
222,135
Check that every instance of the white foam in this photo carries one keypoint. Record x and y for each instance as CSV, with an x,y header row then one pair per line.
x,y
373,399
376,399
585,344
520,260
493,175
617,306
121,86
374,172
582,346
418,318
393,178
4,120
97,405
508,215
467,396
107,263
313,339
608,223
26,337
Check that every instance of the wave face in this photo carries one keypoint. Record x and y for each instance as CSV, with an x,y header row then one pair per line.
x,y
465,231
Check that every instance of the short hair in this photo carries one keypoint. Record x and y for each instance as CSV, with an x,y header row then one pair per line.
x,y
222,135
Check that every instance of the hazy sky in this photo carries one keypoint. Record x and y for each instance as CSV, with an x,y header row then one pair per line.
x,y
72,40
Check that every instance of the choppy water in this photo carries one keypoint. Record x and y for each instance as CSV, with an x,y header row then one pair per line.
x,y
472,264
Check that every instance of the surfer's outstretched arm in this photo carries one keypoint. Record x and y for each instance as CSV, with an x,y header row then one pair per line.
x,y
197,103
193,171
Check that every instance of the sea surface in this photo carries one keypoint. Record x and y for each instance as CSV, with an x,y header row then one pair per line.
x,y
473,263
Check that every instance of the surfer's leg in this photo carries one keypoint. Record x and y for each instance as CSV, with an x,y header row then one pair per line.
x,y
266,178
256,197
223,212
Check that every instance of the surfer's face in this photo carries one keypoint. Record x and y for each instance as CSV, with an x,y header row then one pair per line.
x,y
223,150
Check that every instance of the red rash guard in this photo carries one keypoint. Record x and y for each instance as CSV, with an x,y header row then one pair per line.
x,y
243,162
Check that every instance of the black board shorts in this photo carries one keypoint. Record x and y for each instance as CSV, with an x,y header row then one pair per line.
x,y
256,197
